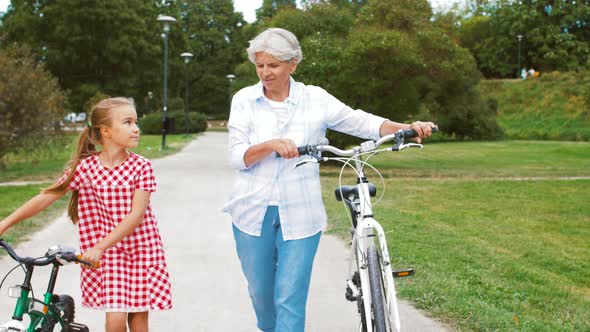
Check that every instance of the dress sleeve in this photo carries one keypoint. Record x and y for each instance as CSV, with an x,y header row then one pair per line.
x,y
146,179
76,179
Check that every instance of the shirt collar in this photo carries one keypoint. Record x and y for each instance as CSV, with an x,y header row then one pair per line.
x,y
294,92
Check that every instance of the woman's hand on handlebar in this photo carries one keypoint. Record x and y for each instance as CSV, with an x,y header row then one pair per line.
x,y
424,129
285,148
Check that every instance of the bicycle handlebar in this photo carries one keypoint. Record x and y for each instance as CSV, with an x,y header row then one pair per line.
x,y
398,137
49,258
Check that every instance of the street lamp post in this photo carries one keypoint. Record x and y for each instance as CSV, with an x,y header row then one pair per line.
x,y
166,21
519,41
187,57
231,78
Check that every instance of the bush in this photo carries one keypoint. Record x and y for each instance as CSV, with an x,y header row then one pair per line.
x,y
31,101
151,124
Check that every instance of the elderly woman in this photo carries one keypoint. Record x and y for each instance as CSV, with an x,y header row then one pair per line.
x,y
277,210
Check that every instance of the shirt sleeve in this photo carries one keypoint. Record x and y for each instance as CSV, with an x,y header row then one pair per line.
x,y
239,129
357,123
146,180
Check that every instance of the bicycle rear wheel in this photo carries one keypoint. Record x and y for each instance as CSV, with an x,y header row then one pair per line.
x,y
380,316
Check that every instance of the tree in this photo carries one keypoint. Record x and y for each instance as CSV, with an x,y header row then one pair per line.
x,y
31,101
556,35
115,47
213,33
271,7
108,46
412,70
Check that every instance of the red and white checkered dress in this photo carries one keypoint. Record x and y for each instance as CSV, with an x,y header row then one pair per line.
x,y
133,275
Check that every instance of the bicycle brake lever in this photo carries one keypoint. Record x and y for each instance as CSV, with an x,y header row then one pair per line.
x,y
413,145
399,147
65,258
305,161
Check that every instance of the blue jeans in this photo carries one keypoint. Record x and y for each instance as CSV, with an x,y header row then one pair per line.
x,y
278,273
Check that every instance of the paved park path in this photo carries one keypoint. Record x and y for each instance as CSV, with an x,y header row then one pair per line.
x,y
209,290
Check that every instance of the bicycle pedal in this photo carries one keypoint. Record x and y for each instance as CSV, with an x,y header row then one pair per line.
x,y
403,273
77,327
349,296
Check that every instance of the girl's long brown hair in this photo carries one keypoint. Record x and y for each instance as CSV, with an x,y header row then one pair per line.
x,y
100,116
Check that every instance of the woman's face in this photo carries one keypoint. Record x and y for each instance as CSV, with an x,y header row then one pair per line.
x,y
274,74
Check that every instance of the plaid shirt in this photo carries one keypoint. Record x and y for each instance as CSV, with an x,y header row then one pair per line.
x,y
312,110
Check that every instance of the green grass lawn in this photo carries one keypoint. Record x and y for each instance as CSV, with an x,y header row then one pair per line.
x,y
493,255
486,160
14,196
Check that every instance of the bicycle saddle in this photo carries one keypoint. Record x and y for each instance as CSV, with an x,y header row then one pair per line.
x,y
347,191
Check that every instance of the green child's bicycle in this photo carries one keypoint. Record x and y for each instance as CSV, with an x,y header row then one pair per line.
x,y
57,310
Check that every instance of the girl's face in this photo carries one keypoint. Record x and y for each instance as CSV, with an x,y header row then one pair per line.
x,y
123,131
274,74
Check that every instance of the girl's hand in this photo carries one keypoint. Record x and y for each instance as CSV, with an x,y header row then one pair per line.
x,y
93,257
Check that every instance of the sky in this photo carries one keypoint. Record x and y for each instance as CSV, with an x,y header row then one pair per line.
x,y
4,5
248,7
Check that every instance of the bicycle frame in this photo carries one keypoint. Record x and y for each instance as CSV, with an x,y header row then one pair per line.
x,y
24,303
367,230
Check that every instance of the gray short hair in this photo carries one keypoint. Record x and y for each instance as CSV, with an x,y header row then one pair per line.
x,y
279,43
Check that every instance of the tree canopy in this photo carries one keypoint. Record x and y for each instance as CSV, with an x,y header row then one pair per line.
x,y
115,47
395,58
554,35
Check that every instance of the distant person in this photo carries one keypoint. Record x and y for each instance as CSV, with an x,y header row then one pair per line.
x,y
531,72
118,230
523,73
277,211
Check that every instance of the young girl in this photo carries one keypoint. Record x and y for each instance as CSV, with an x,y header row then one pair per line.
x,y
118,231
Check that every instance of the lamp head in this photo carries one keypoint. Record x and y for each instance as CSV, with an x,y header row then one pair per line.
x,y
231,77
166,21
186,56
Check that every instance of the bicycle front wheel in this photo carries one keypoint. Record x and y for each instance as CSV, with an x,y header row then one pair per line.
x,y
380,318
64,307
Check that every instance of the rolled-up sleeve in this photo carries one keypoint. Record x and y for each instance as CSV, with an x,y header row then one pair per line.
x,y
239,130
357,123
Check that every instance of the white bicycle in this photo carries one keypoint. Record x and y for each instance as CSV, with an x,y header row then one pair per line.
x,y
370,277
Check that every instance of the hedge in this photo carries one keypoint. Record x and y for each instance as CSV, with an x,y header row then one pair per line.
x,y
152,123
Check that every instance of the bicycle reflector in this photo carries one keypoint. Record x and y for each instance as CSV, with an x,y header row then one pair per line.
x,y
403,273
14,292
